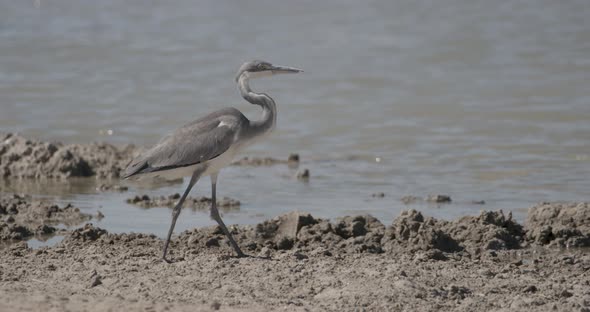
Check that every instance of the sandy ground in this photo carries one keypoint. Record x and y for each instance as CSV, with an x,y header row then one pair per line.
x,y
301,263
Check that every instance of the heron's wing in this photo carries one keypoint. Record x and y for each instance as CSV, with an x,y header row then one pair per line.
x,y
192,144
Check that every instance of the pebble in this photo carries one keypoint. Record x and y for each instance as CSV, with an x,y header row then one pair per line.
x,y
438,198
303,174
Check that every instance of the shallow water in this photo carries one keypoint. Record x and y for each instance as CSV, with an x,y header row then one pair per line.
x,y
481,100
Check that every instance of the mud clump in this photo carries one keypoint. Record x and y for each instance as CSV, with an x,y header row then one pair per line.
x,y
293,159
491,230
105,187
561,224
198,203
284,226
351,234
412,232
298,232
302,174
86,233
24,158
431,198
438,198
21,217
360,233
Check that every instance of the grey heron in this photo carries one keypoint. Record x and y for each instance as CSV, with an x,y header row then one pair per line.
x,y
206,145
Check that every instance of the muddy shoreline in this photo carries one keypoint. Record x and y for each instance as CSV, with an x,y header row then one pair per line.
x,y
299,262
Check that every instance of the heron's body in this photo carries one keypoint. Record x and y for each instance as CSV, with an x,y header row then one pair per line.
x,y
206,145
170,158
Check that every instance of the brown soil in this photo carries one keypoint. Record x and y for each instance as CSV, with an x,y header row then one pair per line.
x,y
302,263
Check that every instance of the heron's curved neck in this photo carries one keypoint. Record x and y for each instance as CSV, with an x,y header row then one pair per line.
x,y
269,108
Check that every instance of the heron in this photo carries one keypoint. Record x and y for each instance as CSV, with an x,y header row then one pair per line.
x,y
204,146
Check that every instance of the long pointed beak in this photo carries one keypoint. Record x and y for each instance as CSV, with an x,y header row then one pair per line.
x,y
276,69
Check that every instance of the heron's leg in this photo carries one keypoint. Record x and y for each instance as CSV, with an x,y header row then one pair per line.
x,y
178,207
215,216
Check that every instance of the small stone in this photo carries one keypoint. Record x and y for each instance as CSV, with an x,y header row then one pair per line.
x,y
530,289
212,242
215,306
293,158
299,256
264,252
95,279
568,260
321,251
285,243
378,195
111,187
438,198
303,174
566,294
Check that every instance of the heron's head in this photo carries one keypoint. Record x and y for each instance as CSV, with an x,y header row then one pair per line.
x,y
255,69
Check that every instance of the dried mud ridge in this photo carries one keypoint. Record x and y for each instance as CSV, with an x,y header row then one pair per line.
x,y
26,158
302,263
198,203
558,224
23,218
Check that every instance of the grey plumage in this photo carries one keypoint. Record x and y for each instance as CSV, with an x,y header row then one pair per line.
x,y
194,143
204,146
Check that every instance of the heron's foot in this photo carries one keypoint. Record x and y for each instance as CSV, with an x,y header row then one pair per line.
x,y
238,250
231,256
156,261
166,259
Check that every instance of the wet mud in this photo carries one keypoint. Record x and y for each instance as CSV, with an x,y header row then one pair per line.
x,y
301,263
22,218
